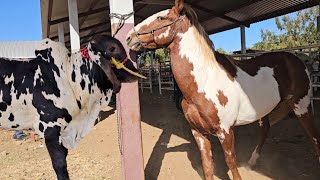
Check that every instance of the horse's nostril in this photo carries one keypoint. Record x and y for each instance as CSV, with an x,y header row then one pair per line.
x,y
128,38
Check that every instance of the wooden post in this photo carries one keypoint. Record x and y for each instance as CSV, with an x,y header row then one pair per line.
x,y
61,33
74,25
128,104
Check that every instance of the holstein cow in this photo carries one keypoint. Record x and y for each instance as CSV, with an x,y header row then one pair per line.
x,y
59,94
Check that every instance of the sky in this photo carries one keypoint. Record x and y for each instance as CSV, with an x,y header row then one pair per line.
x,y
21,21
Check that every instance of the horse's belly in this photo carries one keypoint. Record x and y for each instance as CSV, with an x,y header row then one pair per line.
x,y
259,95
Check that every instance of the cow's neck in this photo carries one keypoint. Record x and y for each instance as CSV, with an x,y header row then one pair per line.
x,y
88,81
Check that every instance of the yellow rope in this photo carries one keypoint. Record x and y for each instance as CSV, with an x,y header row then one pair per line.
x,y
119,65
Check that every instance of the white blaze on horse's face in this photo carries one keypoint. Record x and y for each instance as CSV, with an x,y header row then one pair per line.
x,y
152,33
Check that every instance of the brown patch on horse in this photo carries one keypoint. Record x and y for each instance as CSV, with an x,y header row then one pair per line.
x,y
223,100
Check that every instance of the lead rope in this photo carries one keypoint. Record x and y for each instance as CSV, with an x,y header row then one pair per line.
x,y
122,18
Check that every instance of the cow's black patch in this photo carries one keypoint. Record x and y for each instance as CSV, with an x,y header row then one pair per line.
x,y
79,104
73,76
24,74
11,117
15,126
3,106
41,128
47,110
24,102
83,84
96,76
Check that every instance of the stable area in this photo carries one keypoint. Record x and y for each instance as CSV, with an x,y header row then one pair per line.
x,y
161,145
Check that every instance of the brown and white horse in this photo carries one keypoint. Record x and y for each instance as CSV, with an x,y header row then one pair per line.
x,y
220,93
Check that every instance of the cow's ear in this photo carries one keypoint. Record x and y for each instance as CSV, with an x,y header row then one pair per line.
x,y
106,67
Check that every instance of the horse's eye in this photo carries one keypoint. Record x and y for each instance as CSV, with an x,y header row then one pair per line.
x,y
160,18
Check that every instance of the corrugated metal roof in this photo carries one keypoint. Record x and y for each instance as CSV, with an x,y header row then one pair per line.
x,y
215,15
18,49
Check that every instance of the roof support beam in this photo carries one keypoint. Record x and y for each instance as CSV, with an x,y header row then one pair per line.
x,y
194,5
61,33
74,25
95,11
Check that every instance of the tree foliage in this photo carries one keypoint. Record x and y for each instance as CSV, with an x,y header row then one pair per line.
x,y
221,50
297,30
160,55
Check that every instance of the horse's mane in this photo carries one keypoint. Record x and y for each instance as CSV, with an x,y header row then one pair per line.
x,y
192,16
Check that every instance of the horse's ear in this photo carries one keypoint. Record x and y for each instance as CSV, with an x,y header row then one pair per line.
x,y
179,4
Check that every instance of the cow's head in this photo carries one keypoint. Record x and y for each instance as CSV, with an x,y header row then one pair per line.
x,y
101,49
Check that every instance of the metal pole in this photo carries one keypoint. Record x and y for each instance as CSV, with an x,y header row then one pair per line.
x,y
243,39
128,104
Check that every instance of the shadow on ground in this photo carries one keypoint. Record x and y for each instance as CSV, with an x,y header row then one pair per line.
x,y
287,153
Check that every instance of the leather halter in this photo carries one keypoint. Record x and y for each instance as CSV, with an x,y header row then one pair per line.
x,y
137,34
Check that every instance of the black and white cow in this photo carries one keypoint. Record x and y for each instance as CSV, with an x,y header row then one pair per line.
x,y
59,94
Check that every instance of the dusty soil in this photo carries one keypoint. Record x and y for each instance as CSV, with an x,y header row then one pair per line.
x,y
169,150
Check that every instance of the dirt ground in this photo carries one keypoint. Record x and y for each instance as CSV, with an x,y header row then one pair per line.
x,y
169,150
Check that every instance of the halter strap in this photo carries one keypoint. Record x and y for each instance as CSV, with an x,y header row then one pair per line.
x,y
137,34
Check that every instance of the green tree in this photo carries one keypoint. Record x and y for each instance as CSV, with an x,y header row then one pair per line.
x,y
297,30
221,50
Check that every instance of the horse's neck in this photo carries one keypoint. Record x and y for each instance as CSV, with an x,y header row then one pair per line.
x,y
191,55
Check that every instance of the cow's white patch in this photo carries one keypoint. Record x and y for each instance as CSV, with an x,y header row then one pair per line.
x,y
37,76
9,79
260,122
147,21
254,157
164,34
248,98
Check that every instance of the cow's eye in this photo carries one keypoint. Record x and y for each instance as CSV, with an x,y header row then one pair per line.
x,y
111,49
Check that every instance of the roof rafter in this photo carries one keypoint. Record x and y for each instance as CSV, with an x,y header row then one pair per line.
x,y
92,5
214,14
104,23
90,12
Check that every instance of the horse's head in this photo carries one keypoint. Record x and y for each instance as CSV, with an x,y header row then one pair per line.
x,y
101,50
157,31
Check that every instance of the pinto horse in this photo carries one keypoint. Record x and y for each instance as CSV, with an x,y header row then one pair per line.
x,y
220,93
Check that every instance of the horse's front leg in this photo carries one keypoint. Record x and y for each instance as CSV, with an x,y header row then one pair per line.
x,y
227,142
204,145
58,153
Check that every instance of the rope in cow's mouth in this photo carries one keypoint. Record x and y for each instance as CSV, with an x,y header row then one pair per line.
x,y
120,65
